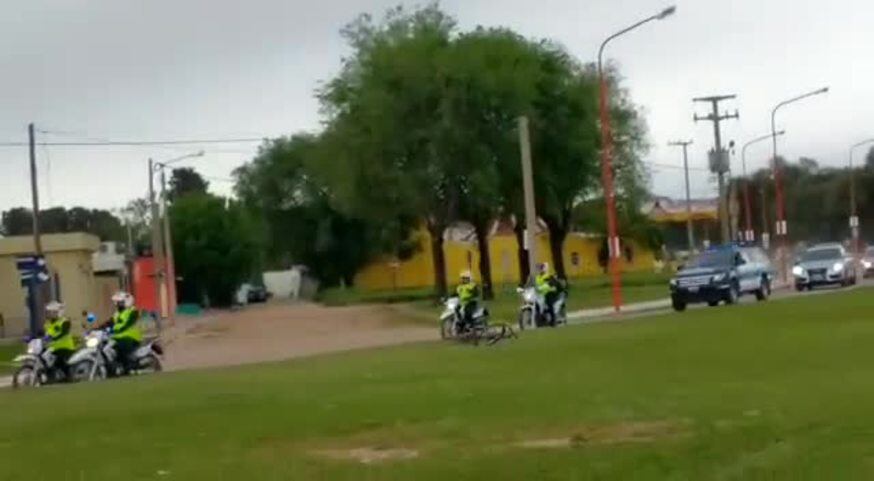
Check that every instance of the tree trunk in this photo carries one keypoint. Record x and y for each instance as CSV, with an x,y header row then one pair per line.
x,y
485,262
524,272
439,259
557,235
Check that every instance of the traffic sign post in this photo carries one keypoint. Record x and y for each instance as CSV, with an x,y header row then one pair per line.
x,y
32,273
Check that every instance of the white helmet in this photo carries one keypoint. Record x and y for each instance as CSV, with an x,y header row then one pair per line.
x,y
54,310
123,299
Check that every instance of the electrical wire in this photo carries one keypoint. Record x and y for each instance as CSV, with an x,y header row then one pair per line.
x,y
136,142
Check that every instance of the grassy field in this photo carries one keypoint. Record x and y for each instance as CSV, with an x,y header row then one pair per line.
x,y
780,390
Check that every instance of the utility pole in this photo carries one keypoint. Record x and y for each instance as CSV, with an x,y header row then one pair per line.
x,y
763,209
168,246
690,232
719,163
34,191
36,292
157,243
528,187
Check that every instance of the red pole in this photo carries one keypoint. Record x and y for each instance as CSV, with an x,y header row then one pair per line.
x,y
747,207
609,195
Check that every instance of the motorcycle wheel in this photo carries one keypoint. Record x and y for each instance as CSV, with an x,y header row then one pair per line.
x,y
526,320
150,364
26,376
447,329
88,371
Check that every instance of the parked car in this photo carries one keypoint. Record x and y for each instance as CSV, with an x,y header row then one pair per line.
x,y
824,264
722,274
257,294
868,262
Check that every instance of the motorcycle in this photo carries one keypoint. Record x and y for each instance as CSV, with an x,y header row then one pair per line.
x,y
534,313
451,320
37,366
98,360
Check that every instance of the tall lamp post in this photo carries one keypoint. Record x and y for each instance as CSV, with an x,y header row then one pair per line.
x,y
607,159
750,235
782,226
854,213
167,272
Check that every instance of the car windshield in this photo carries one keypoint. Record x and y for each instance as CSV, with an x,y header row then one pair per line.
x,y
821,255
720,258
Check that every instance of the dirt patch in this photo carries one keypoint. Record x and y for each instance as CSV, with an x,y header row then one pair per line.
x,y
621,433
368,455
279,331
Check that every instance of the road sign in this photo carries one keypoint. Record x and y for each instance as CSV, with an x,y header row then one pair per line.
x,y
782,227
32,269
854,221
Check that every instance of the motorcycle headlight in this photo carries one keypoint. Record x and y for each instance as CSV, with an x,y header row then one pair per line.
x,y
866,264
92,342
838,267
798,271
673,282
530,296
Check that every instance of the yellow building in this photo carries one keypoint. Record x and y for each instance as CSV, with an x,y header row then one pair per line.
x,y
461,253
68,257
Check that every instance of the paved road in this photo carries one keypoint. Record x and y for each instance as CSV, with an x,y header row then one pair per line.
x,y
663,306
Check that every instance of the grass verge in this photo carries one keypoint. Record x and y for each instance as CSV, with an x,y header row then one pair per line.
x,y
777,390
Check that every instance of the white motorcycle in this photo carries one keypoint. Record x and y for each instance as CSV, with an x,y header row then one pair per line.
x,y
451,320
37,366
534,313
98,360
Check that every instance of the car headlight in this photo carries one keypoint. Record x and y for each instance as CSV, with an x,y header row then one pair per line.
x,y
92,342
718,278
798,271
838,267
673,282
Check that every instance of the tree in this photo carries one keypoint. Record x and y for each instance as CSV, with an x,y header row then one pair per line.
x,y
387,126
102,223
185,181
300,225
215,247
869,159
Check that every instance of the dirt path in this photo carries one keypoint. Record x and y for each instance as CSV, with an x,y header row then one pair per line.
x,y
283,331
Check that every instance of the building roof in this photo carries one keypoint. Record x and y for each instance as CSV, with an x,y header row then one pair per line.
x,y
74,241
666,209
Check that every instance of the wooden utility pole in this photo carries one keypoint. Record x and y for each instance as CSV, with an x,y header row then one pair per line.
x,y
157,243
719,163
690,231
168,249
528,187
34,191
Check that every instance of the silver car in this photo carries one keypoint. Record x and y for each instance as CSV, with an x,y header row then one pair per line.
x,y
824,264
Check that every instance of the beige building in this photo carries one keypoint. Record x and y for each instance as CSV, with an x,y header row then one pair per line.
x,y
69,259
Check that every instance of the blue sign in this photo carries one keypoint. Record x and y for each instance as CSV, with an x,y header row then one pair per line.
x,y
32,269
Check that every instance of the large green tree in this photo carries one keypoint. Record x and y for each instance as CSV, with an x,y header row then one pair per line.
x,y
57,220
186,181
215,247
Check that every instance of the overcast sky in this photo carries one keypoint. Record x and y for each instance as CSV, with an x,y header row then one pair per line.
x,y
180,69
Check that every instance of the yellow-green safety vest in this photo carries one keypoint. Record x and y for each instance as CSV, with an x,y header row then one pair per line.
x,y
54,328
124,325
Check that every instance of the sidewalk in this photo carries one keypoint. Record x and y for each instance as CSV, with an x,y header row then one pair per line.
x,y
587,315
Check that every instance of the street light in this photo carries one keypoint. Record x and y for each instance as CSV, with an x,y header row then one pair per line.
x,y
159,244
782,226
750,235
607,159
854,214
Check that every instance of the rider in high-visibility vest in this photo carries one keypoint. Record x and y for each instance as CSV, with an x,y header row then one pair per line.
x,y
468,295
125,330
549,287
58,329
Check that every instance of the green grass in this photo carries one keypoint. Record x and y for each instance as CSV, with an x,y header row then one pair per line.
x,y
7,352
779,390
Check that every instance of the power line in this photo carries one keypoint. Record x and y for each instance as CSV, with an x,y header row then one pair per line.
x,y
136,142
